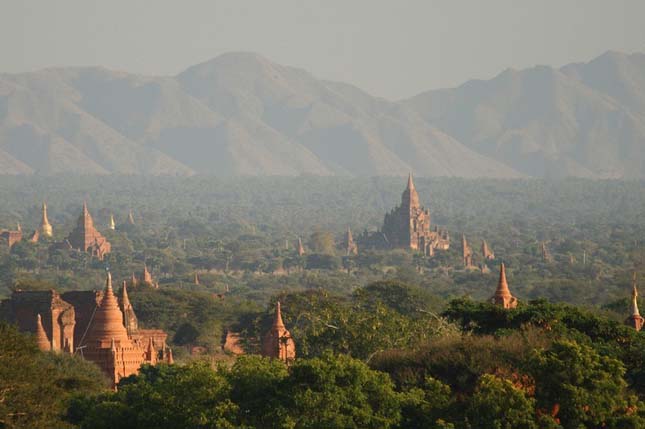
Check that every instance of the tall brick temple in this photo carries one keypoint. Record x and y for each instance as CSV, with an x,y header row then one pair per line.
x,y
86,238
93,324
408,225
277,342
503,296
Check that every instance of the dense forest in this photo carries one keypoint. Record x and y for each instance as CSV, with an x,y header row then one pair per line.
x,y
385,338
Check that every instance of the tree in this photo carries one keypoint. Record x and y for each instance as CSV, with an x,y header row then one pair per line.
x,y
258,390
164,397
497,404
322,242
336,391
588,389
428,406
34,386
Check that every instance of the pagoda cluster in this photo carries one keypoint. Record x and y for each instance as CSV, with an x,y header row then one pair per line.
x,y
84,237
96,325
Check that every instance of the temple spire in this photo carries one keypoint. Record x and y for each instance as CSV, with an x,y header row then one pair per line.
x,y
277,319
45,227
502,284
503,295
635,320
41,336
301,248
125,300
108,324
410,182
112,224
410,197
277,342
635,311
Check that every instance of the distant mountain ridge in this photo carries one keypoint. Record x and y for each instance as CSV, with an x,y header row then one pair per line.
x,y
241,114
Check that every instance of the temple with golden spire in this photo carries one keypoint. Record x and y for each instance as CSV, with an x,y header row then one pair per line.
x,y
277,342
408,225
635,320
503,295
45,229
112,224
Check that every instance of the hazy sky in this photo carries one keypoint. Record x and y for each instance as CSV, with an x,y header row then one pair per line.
x,y
389,48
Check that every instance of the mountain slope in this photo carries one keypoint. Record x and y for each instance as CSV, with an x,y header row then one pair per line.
x,y
241,114
577,121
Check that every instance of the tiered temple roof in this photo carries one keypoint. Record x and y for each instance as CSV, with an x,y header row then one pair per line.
x,y
85,237
408,225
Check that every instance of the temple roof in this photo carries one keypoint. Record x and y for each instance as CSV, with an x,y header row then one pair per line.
x,y
107,324
277,319
502,284
41,336
635,311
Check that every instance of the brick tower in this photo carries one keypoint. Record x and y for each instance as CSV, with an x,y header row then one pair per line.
x,y
278,343
503,295
85,237
635,320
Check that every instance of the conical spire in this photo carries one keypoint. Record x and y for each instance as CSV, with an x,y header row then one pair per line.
x,y
277,342
45,228
19,227
503,295
125,300
131,218
502,284
146,277
85,221
41,336
151,354
410,197
635,311
410,181
301,248
107,324
350,246
112,224
277,319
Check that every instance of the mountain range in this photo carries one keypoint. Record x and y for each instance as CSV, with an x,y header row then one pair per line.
x,y
241,114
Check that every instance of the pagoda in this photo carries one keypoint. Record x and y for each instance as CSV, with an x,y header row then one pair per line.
x,y
277,342
635,320
86,238
408,225
503,295
351,248
108,343
46,229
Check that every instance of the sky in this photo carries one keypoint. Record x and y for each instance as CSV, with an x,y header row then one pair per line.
x,y
393,49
